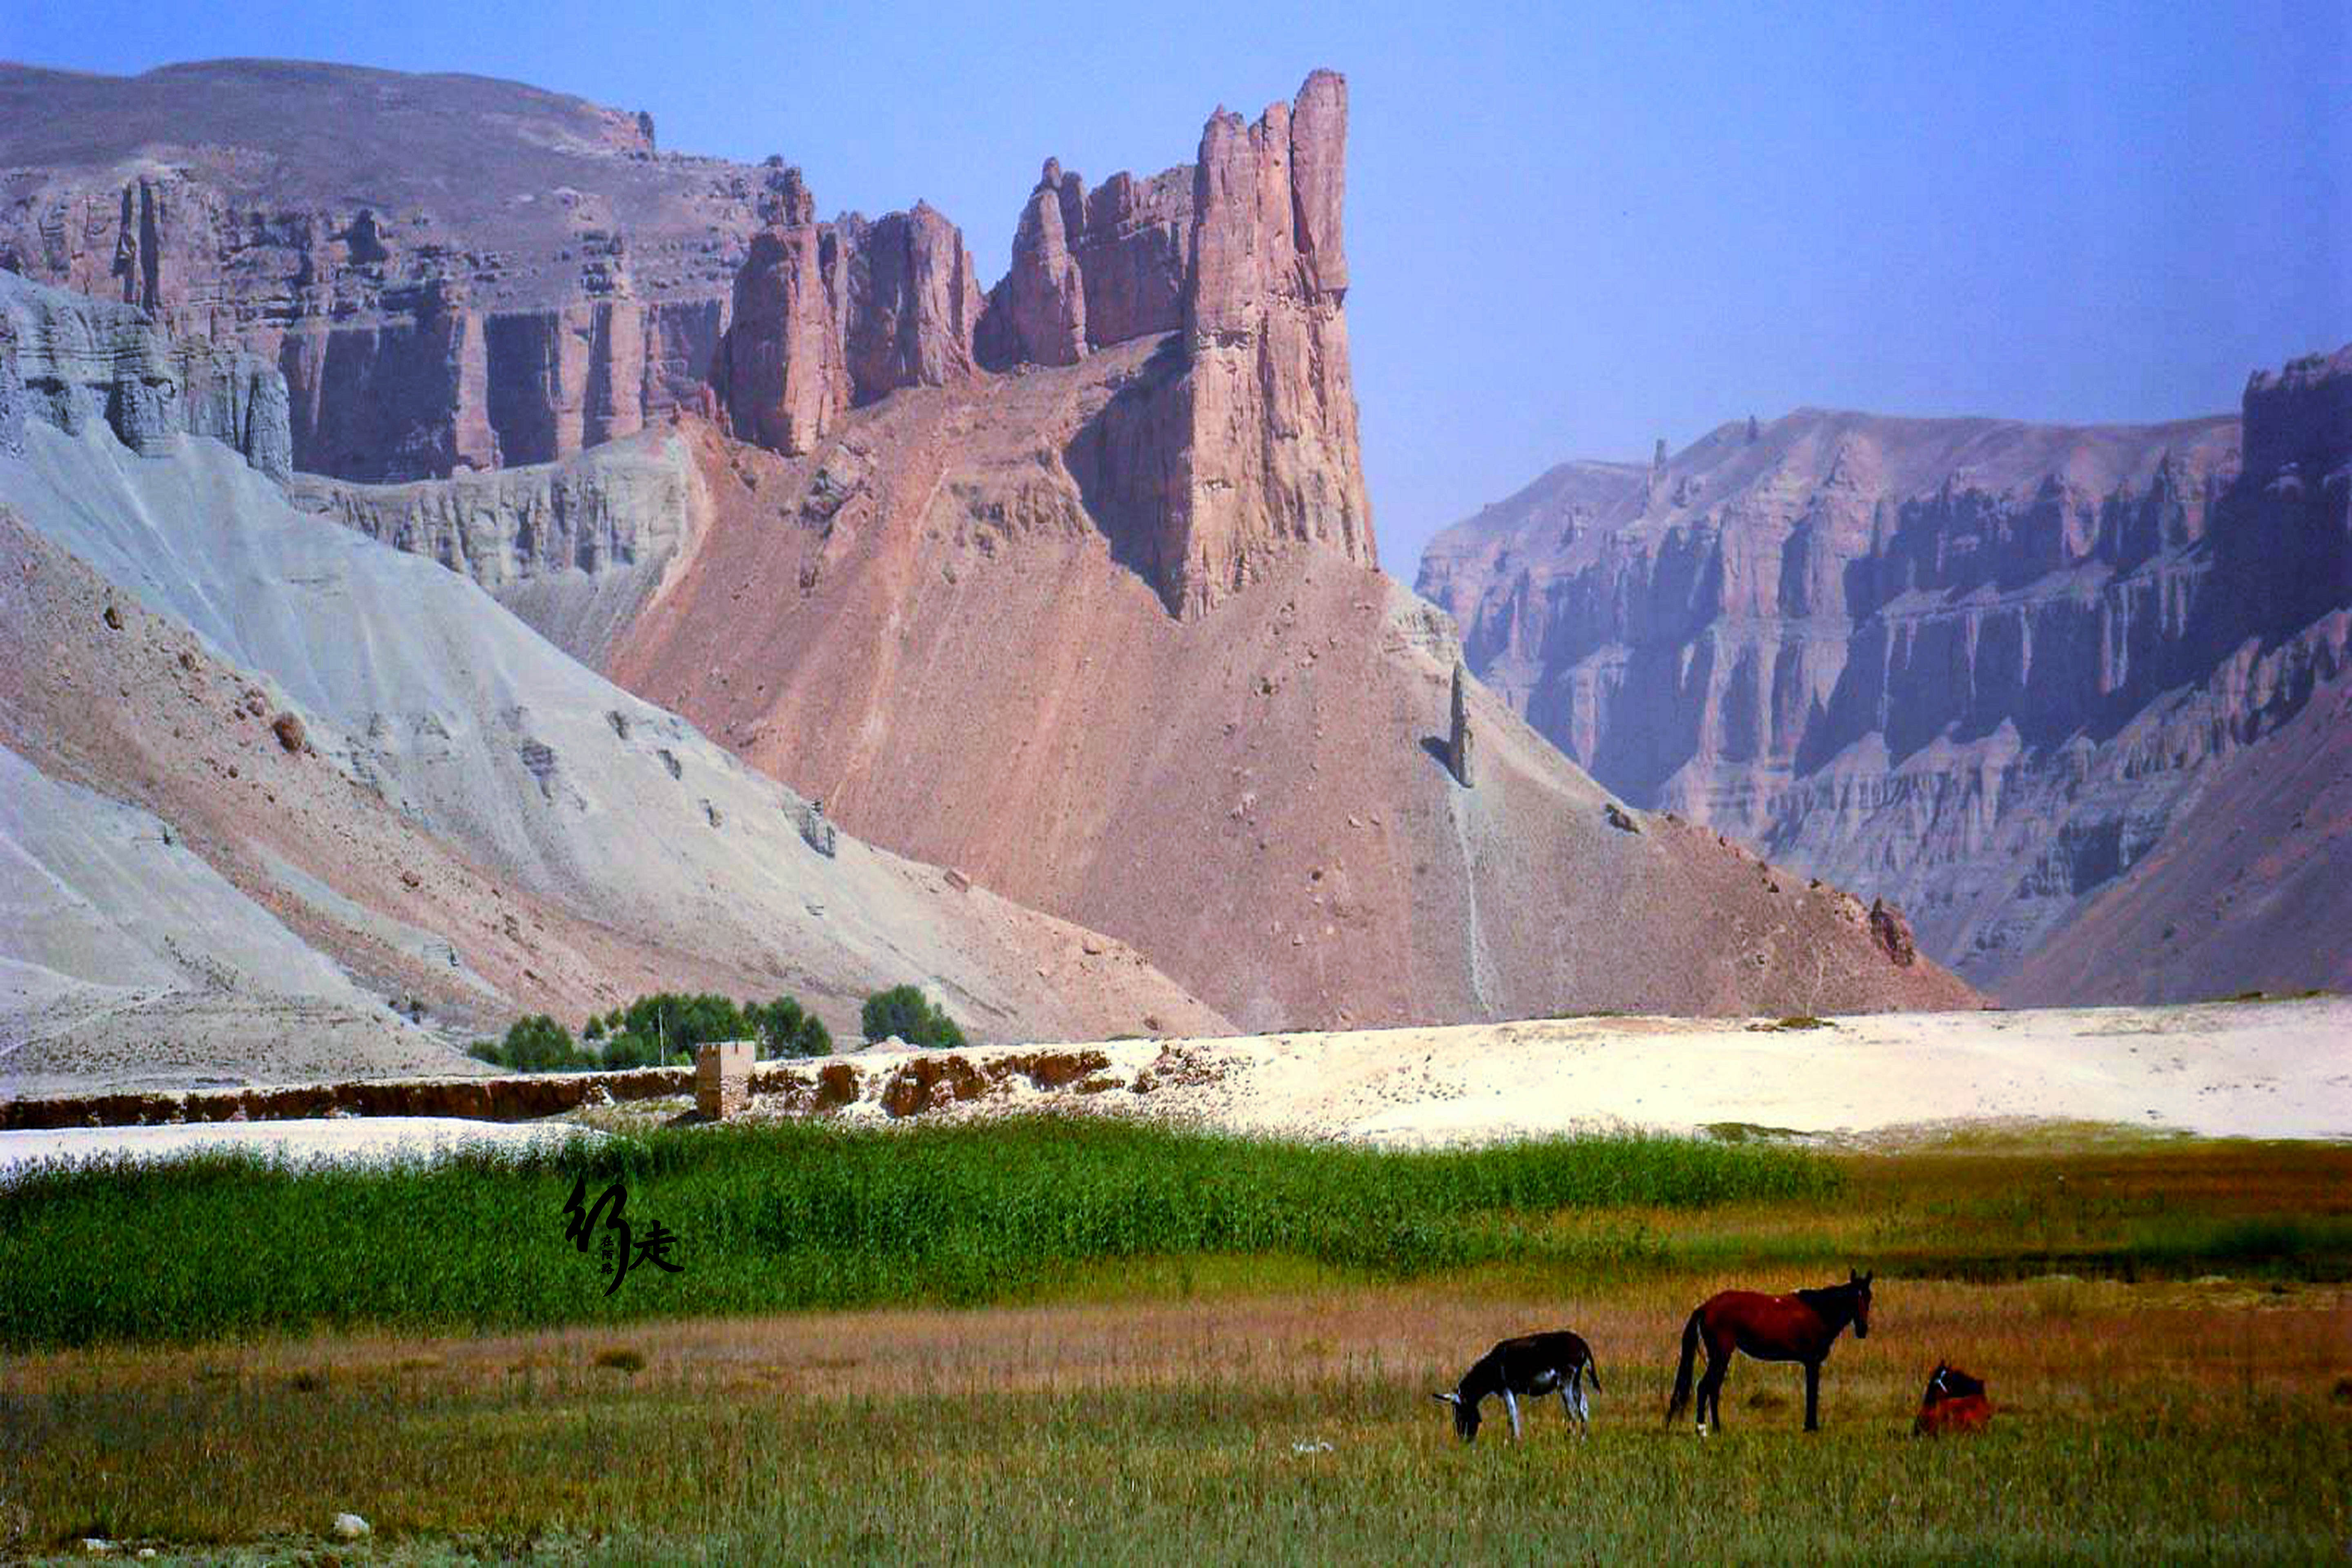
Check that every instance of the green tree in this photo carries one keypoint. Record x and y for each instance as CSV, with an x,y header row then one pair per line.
x,y
787,1029
537,1044
905,1012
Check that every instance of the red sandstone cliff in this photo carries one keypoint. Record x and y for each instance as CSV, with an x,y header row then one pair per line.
x,y
951,618
1107,634
1234,448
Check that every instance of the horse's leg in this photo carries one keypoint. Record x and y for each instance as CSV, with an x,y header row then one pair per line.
x,y
1812,1396
1583,1410
1512,1405
1710,1385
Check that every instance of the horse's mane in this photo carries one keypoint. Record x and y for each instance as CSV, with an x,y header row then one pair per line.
x,y
1826,1298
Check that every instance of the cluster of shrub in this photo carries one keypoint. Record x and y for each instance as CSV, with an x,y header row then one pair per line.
x,y
662,1030
905,1012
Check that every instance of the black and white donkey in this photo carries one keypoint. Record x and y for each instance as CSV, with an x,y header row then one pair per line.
x,y
1532,1364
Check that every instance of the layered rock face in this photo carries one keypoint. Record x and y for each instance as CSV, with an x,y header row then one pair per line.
x,y
1273,459
827,315
1241,446
1236,446
1091,268
1973,666
628,504
1038,314
450,272
72,360
913,302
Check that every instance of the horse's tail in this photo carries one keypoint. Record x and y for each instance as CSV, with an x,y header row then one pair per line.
x,y
1683,1373
1592,1366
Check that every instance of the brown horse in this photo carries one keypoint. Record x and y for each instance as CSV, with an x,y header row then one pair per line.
x,y
1800,1328
1954,1402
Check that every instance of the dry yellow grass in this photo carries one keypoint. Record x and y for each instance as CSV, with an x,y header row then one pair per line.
x,y
2210,1410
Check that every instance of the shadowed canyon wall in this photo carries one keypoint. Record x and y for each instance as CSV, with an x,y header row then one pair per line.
x,y
1975,665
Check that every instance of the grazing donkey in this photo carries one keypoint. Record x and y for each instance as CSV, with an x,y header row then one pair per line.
x,y
1532,1364
1954,1402
1800,1327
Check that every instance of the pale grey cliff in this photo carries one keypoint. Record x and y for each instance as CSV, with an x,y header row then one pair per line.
x,y
71,361
574,548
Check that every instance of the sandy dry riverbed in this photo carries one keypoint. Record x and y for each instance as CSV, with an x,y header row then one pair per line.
x,y
2278,1070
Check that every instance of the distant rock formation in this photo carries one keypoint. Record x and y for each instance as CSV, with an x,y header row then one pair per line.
x,y
1241,447
828,315
913,302
450,272
783,375
70,360
1457,737
1973,666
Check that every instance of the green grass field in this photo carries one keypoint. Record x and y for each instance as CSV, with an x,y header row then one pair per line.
x,y
2164,1327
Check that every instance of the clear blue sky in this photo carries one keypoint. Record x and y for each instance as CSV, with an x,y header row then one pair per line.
x,y
1569,231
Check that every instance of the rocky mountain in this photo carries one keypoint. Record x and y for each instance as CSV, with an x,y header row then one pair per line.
x,y
1093,616
1236,445
451,272
1981,668
1068,585
270,780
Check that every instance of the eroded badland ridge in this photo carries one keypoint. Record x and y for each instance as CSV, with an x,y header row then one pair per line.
x,y
278,794
1069,585
2019,678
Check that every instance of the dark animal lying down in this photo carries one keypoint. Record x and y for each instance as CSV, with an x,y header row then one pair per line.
x,y
1954,1402
1534,1365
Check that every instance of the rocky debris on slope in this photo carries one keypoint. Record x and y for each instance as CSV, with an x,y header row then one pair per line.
x,y
1257,796
1893,932
1974,666
70,360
